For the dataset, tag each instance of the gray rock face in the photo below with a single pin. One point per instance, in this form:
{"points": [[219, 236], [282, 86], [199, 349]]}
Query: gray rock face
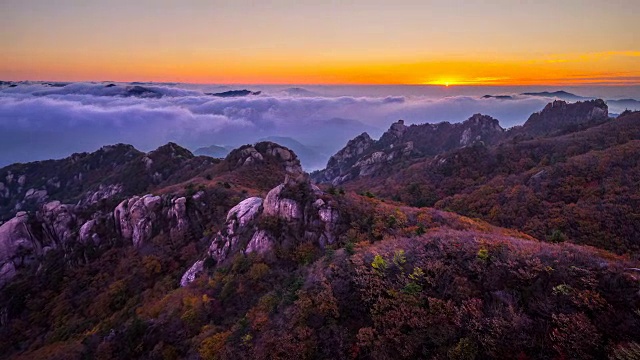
{"points": [[191, 274], [103, 192], [310, 219], [261, 242], [365, 157], [135, 217], [249, 155], [35, 195], [245, 211], [87, 233], [237, 226], [341, 162], [277, 205], [329, 218], [55, 224], [178, 215], [59, 220], [394, 134], [265, 151], [25, 238], [16, 243], [560, 115]]}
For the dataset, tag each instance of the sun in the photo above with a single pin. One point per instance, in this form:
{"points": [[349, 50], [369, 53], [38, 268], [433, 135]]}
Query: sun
{"points": [[446, 82]]}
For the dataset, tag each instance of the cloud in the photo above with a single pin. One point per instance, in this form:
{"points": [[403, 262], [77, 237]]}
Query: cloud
{"points": [[38, 121]]}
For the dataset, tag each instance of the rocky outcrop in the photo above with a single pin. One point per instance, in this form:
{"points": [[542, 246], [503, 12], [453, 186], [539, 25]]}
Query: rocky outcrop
{"points": [[291, 213], [275, 204], [134, 217], [58, 221], [103, 192], [191, 274], [25, 238], [87, 233], [263, 152], [86, 224], [35, 195], [179, 218], [394, 134], [17, 246], [365, 157], [245, 211], [260, 242], [560, 116], [85, 179], [340, 163], [239, 226]]}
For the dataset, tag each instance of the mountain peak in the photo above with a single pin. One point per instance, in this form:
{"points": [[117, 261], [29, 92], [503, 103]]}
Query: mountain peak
{"points": [[483, 120], [173, 150], [265, 152], [394, 134], [559, 115]]}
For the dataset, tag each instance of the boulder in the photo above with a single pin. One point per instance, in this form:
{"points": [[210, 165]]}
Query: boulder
{"points": [[17, 245], [135, 217], [277, 205], [59, 221], [178, 216], [87, 233], [237, 225], [260, 243], [245, 211]]}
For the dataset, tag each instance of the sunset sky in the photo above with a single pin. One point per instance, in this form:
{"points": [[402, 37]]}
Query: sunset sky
{"points": [[323, 42]]}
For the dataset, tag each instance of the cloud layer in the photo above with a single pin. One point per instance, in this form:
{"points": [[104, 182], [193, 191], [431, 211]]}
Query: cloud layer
{"points": [[40, 121]]}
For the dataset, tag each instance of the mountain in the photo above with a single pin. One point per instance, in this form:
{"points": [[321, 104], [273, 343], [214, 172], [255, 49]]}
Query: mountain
{"points": [[140, 91], [297, 91], [340, 130], [245, 258], [562, 95], [235, 93], [92, 177], [560, 116], [570, 181], [500, 97], [309, 157], [363, 156], [624, 104], [76, 207], [214, 151]]}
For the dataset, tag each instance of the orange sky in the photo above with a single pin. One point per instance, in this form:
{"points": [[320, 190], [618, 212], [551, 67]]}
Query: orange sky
{"points": [[330, 42]]}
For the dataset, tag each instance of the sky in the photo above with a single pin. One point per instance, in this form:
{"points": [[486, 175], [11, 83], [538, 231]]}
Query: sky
{"points": [[586, 42]]}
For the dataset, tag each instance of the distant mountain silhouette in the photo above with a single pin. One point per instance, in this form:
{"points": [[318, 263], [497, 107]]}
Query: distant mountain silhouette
{"points": [[563, 95], [213, 151], [235, 93]]}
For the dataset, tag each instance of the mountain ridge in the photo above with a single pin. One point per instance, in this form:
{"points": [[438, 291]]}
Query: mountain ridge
{"points": [[245, 258]]}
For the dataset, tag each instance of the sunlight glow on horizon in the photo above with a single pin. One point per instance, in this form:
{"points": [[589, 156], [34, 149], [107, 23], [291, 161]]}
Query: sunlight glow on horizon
{"points": [[411, 42]]}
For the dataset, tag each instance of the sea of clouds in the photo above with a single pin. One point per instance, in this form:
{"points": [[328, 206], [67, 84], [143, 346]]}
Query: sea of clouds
{"points": [[42, 121]]}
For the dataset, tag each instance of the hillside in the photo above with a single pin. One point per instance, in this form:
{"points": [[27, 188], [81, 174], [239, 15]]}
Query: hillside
{"points": [[575, 184], [396, 282], [245, 258]]}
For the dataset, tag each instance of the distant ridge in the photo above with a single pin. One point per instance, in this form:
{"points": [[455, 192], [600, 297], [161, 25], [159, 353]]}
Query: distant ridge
{"points": [[235, 93], [561, 94]]}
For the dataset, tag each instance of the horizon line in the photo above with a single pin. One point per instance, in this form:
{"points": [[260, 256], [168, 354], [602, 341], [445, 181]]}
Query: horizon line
{"points": [[452, 84]]}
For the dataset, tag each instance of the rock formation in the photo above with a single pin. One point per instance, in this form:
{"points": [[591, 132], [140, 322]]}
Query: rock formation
{"points": [[364, 157], [559, 116], [16, 245], [134, 217], [291, 213]]}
